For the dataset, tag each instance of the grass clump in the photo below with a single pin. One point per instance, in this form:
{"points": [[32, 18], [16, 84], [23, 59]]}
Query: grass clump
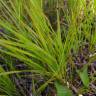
{"points": [[54, 53]]}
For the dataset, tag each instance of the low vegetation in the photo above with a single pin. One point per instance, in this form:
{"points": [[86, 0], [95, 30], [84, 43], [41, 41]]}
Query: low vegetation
{"points": [[47, 47]]}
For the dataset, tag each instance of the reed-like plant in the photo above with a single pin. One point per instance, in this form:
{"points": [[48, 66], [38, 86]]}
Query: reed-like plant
{"points": [[28, 36]]}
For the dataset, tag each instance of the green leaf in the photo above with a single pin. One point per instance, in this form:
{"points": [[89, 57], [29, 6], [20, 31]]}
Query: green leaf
{"points": [[83, 73], [62, 90]]}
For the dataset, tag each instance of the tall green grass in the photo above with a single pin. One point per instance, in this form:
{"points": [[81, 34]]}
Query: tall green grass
{"points": [[29, 37]]}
